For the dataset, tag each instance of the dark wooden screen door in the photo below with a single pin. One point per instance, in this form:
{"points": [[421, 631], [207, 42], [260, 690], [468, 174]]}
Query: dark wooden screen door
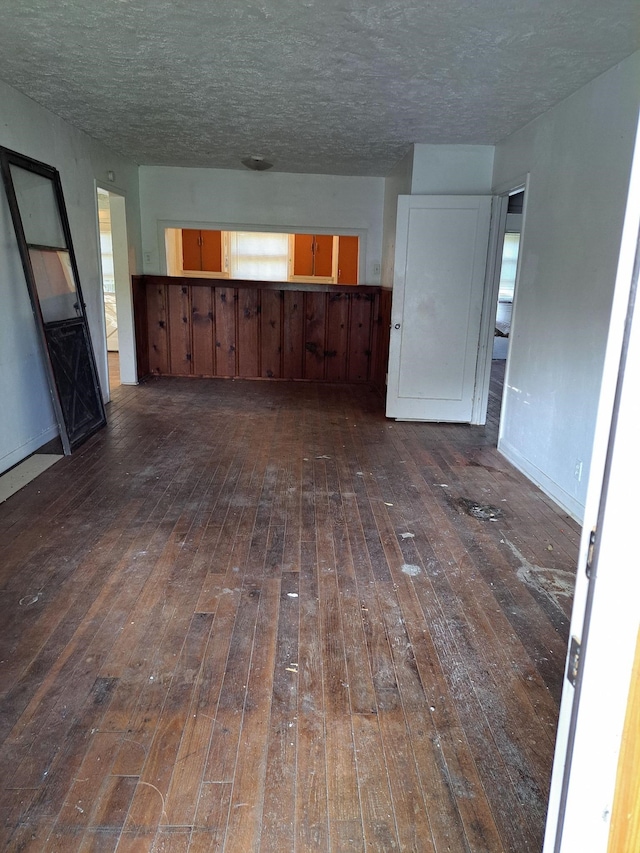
{"points": [[34, 193]]}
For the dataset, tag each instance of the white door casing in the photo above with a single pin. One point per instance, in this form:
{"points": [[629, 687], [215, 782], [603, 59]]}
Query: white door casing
{"points": [[124, 295], [440, 264]]}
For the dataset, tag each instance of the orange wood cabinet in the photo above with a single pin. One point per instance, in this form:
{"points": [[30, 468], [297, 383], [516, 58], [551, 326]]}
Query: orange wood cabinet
{"points": [[348, 248], [271, 330], [313, 256], [325, 258], [201, 250]]}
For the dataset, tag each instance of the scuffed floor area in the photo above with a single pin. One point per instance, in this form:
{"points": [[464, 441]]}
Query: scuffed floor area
{"points": [[259, 616]]}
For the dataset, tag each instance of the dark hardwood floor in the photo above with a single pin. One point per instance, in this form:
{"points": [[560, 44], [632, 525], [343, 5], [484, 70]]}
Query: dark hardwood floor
{"points": [[253, 616]]}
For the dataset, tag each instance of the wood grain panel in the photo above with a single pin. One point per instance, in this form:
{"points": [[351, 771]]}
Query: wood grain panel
{"points": [[337, 336], [314, 335], [293, 335], [179, 308], [202, 320], [381, 330], [248, 302], [141, 326], [271, 334], [322, 332], [360, 337], [157, 328], [225, 331]]}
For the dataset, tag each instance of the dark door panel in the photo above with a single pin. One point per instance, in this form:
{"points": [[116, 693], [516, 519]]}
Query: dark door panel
{"points": [[36, 201]]}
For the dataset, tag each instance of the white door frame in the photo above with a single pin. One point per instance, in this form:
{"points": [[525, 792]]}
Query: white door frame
{"points": [[124, 295], [487, 323], [492, 285]]}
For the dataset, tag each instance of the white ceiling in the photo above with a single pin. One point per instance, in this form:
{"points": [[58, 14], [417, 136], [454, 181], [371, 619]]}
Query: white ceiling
{"points": [[324, 86]]}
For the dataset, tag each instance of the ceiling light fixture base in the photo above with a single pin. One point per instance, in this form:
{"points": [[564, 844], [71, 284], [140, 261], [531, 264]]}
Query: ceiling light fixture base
{"points": [[256, 163]]}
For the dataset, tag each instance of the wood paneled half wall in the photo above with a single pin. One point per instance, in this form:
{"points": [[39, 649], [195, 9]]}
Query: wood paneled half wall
{"points": [[270, 330]]}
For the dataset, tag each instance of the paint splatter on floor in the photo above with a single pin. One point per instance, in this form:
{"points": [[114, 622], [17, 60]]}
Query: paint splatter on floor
{"points": [[551, 583]]}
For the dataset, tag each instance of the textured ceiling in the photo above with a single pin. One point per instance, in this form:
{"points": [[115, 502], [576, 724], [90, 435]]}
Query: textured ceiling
{"points": [[325, 86]]}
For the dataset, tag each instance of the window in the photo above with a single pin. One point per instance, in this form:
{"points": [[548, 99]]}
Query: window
{"points": [[258, 255]]}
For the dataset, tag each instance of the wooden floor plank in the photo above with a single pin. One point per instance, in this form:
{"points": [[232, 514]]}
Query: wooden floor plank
{"points": [[188, 770], [345, 810], [248, 793], [212, 813], [378, 815], [311, 811], [253, 616], [278, 817], [76, 814], [221, 763]]}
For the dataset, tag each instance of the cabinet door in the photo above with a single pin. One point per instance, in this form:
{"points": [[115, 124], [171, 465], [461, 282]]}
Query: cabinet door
{"points": [[323, 255], [191, 259], [313, 257], [211, 251], [303, 255], [348, 260]]}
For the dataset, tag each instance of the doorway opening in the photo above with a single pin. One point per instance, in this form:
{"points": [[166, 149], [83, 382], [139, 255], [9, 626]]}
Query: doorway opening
{"points": [[108, 288], [116, 289], [510, 251], [507, 284]]}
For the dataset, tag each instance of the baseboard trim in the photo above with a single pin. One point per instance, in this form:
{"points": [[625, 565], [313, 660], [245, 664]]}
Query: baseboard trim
{"points": [[564, 500], [16, 456]]}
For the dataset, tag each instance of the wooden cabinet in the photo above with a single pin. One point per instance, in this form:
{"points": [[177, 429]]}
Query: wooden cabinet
{"points": [[313, 256], [325, 258], [348, 251], [202, 251]]}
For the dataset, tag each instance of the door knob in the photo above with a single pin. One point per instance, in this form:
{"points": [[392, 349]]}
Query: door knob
{"points": [[397, 326]]}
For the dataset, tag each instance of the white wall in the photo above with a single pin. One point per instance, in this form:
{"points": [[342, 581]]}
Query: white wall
{"points": [[578, 156], [452, 169], [433, 170], [397, 183], [26, 415], [206, 198]]}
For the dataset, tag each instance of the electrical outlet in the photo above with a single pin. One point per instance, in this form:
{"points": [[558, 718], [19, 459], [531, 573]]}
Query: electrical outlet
{"points": [[577, 471], [147, 257]]}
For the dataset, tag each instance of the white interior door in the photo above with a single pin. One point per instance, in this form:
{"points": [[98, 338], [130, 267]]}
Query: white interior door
{"points": [[440, 264], [606, 616]]}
